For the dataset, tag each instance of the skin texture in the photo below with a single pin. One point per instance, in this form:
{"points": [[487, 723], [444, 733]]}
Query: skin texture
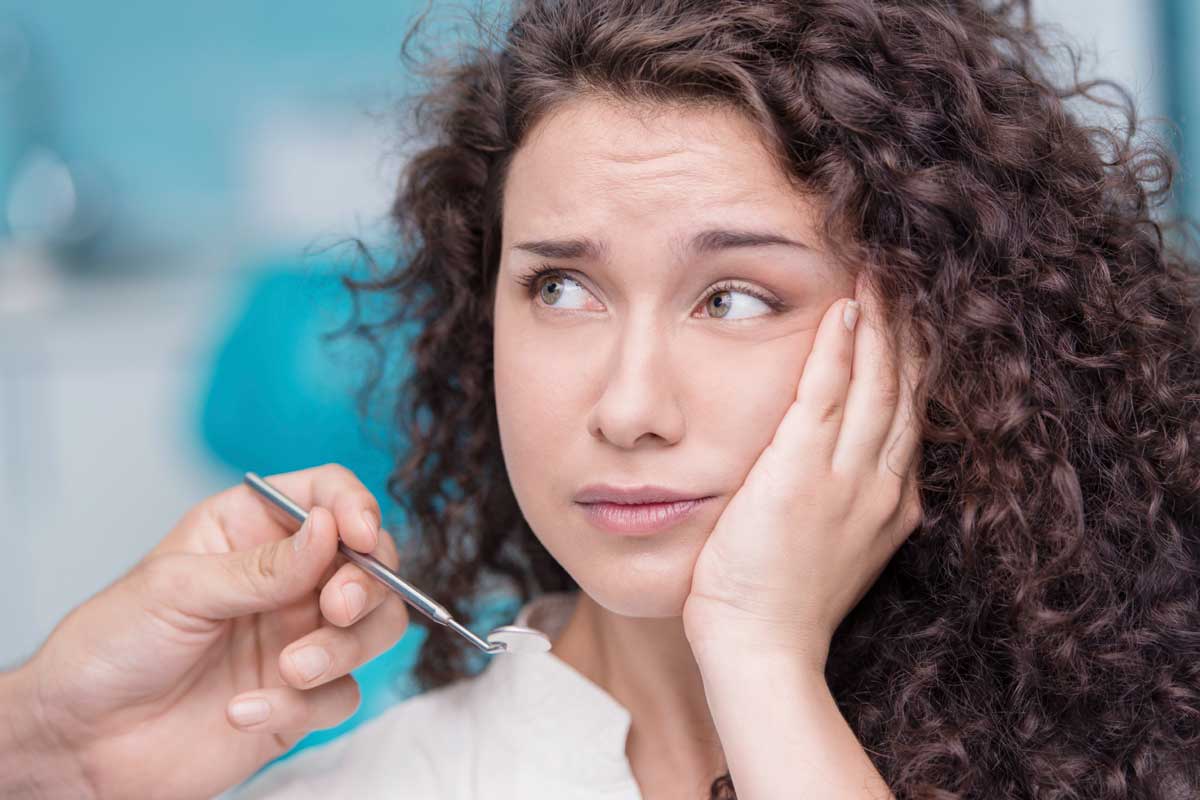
{"points": [[603, 385]]}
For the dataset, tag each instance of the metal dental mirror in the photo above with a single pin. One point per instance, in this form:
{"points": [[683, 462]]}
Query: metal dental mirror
{"points": [[505, 639]]}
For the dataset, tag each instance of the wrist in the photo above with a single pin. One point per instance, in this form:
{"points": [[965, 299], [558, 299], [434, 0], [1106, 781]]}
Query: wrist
{"points": [[771, 704], [33, 762], [721, 659], [714, 645]]}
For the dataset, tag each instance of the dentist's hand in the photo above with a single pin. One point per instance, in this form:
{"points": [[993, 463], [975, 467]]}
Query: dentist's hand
{"points": [[144, 682], [822, 510]]}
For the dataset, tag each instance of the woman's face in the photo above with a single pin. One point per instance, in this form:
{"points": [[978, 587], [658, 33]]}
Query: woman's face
{"points": [[626, 368]]}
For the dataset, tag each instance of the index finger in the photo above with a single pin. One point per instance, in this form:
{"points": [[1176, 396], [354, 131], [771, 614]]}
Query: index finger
{"points": [[335, 487], [249, 519]]}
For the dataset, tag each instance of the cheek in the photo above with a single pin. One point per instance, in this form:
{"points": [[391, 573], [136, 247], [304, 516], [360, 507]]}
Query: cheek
{"points": [[533, 410], [739, 394]]}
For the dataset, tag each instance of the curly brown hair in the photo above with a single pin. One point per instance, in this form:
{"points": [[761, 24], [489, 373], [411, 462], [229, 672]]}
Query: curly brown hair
{"points": [[1039, 636]]}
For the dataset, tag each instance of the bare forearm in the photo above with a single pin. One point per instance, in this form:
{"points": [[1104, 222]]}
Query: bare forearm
{"points": [[31, 766], [782, 732]]}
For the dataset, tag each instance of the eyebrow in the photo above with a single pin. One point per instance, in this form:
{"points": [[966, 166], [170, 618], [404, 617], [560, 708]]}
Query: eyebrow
{"points": [[707, 241]]}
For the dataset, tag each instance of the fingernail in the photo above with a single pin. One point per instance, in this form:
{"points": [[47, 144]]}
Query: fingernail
{"points": [[310, 661], [251, 711], [850, 314], [371, 524], [355, 598], [301, 537]]}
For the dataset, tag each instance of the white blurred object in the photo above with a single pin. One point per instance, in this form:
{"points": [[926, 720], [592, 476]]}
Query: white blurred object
{"points": [[312, 171], [1118, 40], [29, 279], [41, 199], [95, 389], [51, 200]]}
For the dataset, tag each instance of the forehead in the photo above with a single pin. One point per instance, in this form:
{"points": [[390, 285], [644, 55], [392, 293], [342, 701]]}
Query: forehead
{"points": [[602, 162]]}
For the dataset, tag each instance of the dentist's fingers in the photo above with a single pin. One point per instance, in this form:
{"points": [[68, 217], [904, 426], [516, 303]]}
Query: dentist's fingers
{"points": [[245, 520], [330, 486], [350, 594], [231, 584], [357, 514], [294, 712], [329, 652]]}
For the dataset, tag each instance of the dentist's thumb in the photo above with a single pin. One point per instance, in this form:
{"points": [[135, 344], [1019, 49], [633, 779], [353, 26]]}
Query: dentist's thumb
{"points": [[233, 584]]}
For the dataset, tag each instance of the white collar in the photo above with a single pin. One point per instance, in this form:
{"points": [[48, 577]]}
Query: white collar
{"points": [[573, 725]]}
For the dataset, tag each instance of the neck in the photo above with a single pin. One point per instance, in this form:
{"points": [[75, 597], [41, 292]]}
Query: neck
{"points": [[647, 665]]}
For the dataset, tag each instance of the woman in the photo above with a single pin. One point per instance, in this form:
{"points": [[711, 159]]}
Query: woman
{"points": [[1038, 635], [961, 567]]}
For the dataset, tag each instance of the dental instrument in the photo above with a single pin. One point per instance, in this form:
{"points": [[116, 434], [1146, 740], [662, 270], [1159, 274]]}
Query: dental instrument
{"points": [[504, 639]]}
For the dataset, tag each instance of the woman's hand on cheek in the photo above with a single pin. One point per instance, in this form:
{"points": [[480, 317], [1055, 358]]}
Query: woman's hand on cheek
{"points": [[822, 510]]}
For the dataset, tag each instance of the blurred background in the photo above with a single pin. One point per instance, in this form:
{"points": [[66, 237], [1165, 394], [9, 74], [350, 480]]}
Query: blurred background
{"points": [[177, 184]]}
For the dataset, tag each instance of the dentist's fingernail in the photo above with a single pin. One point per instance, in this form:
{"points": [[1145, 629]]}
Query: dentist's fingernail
{"points": [[850, 314], [301, 536], [355, 597], [310, 661], [250, 711], [371, 524]]}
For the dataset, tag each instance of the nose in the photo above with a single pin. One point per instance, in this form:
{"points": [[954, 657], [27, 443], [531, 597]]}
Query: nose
{"points": [[638, 396]]}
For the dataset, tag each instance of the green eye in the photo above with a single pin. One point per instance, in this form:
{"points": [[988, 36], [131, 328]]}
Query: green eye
{"points": [[554, 287], [720, 303], [551, 284]]}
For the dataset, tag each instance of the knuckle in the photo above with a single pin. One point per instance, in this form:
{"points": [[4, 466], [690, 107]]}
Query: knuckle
{"points": [[889, 394], [260, 566], [830, 411], [162, 576], [353, 498], [338, 472], [891, 493], [361, 502]]}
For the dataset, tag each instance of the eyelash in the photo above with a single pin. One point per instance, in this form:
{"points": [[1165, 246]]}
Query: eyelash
{"points": [[530, 281]]}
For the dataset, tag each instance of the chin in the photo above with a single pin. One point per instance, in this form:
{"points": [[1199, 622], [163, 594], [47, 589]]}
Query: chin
{"points": [[657, 602], [636, 579]]}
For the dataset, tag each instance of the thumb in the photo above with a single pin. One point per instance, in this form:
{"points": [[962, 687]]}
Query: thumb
{"points": [[227, 585]]}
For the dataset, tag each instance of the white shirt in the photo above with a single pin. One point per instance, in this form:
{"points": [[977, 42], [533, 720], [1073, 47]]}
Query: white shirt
{"points": [[528, 726]]}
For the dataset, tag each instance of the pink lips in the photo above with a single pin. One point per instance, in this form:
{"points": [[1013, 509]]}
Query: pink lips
{"points": [[641, 518], [637, 510]]}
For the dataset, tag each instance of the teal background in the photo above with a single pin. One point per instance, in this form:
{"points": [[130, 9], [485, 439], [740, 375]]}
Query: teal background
{"points": [[1180, 25], [159, 92]]}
